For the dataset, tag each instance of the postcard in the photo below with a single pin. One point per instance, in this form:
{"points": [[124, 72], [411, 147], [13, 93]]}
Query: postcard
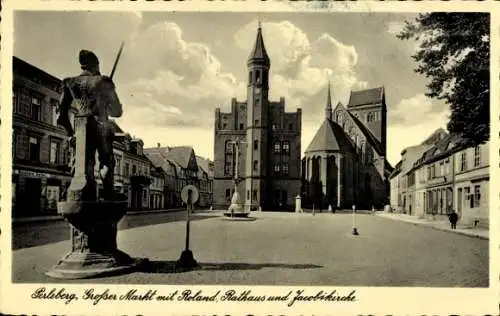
{"points": [[249, 158]]}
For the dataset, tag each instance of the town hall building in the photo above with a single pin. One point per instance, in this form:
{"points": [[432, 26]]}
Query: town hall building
{"points": [[268, 142], [345, 164]]}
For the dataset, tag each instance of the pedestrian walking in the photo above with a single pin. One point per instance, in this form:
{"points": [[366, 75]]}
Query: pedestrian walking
{"points": [[373, 210], [453, 216]]}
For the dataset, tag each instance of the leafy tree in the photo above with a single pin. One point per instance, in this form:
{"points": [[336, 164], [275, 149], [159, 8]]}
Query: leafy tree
{"points": [[454, 53]]}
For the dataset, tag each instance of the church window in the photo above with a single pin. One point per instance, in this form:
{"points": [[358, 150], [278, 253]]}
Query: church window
{"points": [[250, 77], [255, 165], [286, 147], [290, 126], [241, 126], [277, 147], [254, 195], [256, 122], [224, 126], [255, 144]]}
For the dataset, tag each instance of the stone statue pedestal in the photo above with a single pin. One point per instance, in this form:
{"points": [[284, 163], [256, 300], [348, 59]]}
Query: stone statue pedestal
{"points": [[94, 251], [93, 222], [236, 209]]}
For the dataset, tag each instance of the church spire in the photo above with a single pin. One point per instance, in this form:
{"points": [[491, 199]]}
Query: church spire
{"points": [[328, 109], [259, 53]]}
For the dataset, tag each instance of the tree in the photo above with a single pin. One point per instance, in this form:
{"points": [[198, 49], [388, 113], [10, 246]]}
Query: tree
{"points": [[454, 53]]}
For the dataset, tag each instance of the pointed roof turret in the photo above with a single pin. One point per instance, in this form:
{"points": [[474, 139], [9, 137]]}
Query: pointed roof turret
{"points": [[259, 53]]}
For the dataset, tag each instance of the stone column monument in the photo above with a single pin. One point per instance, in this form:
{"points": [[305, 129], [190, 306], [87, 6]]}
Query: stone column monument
{"points": [[93, 222], [236, 208]]}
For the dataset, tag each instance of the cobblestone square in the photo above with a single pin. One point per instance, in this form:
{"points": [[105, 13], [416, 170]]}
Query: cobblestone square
{"points": [[288, 249]]}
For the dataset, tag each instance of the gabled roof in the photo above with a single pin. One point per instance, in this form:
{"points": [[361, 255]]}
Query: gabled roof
{"points": [[364, 97], [442, 149], [259, 50], [180, 155], [204, 165], [329, 137]]}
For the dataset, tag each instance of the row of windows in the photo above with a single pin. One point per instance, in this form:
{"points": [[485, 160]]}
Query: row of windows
{"points": [[372, 116], [477, 159], [274, 127], [136, 169], [281, 168], [56, 156], [282, 147]]}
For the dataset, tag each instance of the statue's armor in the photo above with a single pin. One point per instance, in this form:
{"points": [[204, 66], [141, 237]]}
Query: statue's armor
{"points": [[93, 96]]}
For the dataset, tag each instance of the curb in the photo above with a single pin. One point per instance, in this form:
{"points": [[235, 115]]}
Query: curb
{"points": [[472, 235]]}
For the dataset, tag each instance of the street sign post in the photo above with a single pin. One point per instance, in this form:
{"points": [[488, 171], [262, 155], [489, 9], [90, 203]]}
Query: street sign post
{"points": [[189, 195], [354, 229]]}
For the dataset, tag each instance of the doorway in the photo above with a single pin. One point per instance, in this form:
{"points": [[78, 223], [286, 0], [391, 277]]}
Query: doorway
{"points": [[31, 197], [459, 203]]}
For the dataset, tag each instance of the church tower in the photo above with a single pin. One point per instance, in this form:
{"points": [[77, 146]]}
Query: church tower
{"points": [[257, 124]]}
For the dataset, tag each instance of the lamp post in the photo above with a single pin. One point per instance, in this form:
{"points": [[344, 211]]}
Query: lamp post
{"points": [[354, 229]]}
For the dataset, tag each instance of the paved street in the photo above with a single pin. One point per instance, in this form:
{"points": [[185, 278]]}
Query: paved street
{"points": [[289, 249], [42, 233]]}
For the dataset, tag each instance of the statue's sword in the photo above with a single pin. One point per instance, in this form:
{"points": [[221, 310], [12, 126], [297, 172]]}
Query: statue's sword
{"points": [[117, 135], [116, 60]]}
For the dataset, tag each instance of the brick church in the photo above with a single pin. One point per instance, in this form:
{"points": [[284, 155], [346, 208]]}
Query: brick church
{"points": [[269, 144], [346, 163]]}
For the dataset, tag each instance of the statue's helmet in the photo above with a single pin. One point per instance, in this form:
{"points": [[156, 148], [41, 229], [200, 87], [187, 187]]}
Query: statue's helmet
{"points": [[88, 59]]}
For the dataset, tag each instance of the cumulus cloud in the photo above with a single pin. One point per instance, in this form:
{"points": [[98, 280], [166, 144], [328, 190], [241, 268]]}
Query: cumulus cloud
{"points": [[415, 110], [163, 71], [400, 136], [301, 68]]}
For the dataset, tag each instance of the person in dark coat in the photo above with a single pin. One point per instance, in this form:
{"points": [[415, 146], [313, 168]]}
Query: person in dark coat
{"points": [[453, 219]]}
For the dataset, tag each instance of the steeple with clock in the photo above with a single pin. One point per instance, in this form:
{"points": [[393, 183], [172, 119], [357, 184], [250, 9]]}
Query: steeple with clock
{"points": [[257, 124]]}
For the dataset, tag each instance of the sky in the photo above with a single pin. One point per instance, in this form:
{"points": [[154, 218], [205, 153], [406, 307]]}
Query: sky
{"points": [[177, 68]]}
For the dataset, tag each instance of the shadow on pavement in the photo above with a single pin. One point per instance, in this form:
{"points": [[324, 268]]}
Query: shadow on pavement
{"points": [[25, 235], [169, 266]]}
